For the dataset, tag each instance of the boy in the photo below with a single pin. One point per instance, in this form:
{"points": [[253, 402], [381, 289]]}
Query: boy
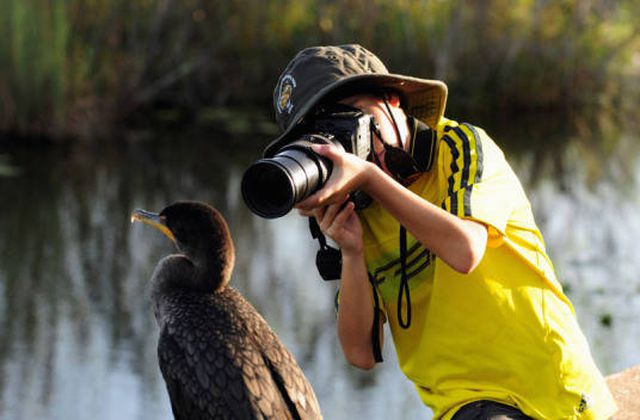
{"points": [[448, 252]]}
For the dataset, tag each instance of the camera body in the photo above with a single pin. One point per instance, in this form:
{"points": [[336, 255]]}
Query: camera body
{"points": [[273, 185]]}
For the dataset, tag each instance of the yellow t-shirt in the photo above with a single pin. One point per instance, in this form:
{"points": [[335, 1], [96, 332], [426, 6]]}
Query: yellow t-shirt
{"points": [[505, 332]]}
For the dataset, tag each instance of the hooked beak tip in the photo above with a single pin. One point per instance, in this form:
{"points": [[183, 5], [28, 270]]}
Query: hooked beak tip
{"points": [[152, 219]]}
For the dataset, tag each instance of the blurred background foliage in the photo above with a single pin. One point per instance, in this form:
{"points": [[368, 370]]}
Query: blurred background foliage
{"points": [[83, 68]]}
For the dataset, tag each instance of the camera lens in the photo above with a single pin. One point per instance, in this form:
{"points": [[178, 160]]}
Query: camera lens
{"points": [[272, 186], [267, 189]]}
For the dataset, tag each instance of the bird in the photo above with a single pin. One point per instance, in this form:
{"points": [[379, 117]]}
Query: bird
{"points": [[218, 356]]}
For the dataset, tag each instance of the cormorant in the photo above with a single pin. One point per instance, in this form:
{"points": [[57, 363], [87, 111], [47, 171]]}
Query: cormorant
{"points": [[218, 356]]}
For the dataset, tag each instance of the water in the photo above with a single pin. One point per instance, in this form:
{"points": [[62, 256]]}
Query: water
{"points": [[77, 335]]}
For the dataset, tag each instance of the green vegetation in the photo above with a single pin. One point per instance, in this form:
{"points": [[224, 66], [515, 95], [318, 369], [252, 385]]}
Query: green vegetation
{"points": [[85, 67]]}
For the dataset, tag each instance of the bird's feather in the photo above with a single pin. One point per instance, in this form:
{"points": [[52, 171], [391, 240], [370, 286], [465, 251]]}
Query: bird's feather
{"points": [[220, 358]]}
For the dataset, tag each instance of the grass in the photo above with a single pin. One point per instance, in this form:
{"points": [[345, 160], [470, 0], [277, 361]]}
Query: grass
{"points": [[79, 67]]}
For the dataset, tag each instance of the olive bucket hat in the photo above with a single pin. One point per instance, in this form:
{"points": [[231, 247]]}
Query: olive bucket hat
{"points": [[316, 72]]}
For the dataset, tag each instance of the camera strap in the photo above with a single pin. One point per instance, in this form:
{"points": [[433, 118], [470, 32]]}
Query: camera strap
{"points": [[375, 329], [406, 165], [328, 258], [422, 147], [404, 292]]}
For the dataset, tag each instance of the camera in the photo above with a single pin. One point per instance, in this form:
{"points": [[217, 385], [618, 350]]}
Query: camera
{"points": [[272, 186]]}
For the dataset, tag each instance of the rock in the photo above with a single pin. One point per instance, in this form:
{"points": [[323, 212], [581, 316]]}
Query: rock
{"points": [[625, 387]]}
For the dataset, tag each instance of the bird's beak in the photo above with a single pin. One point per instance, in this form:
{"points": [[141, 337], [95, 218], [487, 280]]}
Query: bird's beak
{"points": [[153, 219]]}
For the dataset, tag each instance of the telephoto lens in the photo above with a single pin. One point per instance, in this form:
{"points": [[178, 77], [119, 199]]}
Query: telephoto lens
{"points": [[272, 186]]}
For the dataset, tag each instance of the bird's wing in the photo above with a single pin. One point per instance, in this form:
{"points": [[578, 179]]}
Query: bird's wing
{"points": [[202, 380], [261, 385], [289, 377], [282, 366]]}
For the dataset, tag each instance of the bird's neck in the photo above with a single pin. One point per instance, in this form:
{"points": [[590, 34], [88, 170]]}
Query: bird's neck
{"points": [[184, 272], [208, 275]]}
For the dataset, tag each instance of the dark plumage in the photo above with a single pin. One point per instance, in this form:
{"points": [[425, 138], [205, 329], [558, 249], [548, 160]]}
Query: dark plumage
{"points": [[218, 356]]}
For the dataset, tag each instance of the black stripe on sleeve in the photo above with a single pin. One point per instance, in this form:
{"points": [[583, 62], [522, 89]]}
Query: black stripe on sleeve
{"points": [[479, 168], [454, 169], [454, 161], [479, 152], [466, 156], [467, 200], [454, 204]]}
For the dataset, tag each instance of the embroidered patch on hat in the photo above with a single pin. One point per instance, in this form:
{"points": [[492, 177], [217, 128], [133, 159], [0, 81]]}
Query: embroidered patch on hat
{"points": [[285, 91]]}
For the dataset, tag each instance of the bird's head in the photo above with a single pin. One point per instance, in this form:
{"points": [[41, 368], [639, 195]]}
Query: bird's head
{"points": [[200, 233]]}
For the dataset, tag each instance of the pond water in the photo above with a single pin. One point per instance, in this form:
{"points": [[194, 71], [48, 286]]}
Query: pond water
{"points": [[77, 334]]}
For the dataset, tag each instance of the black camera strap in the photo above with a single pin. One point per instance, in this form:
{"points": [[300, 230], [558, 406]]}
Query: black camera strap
{"points": [[423, 144], [375, 329], [328, 258], [404, 292]]}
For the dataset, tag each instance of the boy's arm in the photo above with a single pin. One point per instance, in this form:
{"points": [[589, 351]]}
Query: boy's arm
{"points": [[459, 242], [355, 312]]}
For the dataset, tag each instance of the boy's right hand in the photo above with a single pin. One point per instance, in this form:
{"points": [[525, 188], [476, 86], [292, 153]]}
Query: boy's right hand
{"points": [[348, 175], [340, 222]]}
